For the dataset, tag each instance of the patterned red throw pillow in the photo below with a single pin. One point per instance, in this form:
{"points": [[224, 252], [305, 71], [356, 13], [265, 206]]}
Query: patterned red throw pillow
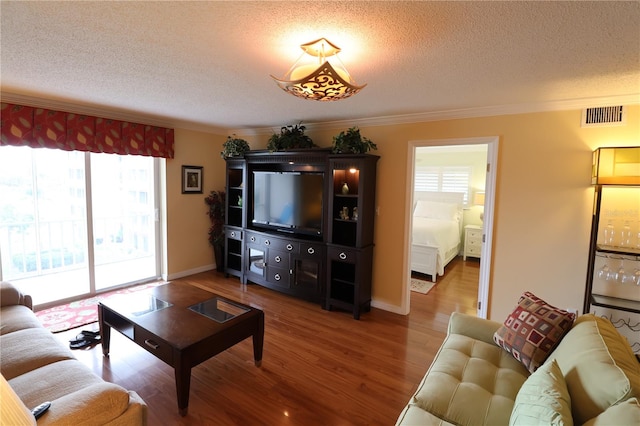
{"points": [[533, 330]]}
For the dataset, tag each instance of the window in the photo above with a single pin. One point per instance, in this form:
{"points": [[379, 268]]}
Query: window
{"points": [[48, 217], [444, 179]]}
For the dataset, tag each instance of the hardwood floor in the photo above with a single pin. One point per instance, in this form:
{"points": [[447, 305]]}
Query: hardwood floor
{"points": [[318, 368]]}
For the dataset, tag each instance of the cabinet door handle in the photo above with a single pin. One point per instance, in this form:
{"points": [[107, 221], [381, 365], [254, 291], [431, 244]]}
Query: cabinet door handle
{"points": [[151, 344], [253, 239], [342, 256], [310, 250], [278, 259], [267, 242], [233, 234], [277, 277], [289, 247]]}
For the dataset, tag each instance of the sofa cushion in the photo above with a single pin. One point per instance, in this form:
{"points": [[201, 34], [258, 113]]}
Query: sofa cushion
{"points": [[533, 330], [18, 317], [52, 381], [625, 413], [95, 404], [599, 367], [25, 350], [414, 415], [543, 399], [470, 382]]}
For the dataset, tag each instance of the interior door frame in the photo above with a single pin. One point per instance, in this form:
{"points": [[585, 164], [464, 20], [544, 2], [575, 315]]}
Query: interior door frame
{"points": [[490, 184]]}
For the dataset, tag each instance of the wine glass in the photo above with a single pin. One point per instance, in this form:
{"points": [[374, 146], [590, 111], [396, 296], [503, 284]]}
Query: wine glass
{"points": [[609, 232], [604, 273], [625, 236], [620, 275]]}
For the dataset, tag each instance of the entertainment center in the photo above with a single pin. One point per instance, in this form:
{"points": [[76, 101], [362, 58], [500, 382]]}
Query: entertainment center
{"points": [[301, 222]]}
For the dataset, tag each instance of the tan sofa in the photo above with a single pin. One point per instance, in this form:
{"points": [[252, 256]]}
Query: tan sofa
{"points": [[39, 368], [472, 381]]}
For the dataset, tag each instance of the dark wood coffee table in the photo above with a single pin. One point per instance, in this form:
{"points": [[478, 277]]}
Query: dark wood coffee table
{"points": [[183, 326]]}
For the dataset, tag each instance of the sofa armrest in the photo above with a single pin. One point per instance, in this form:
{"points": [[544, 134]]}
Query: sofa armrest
{"points": [[11, 295], [99, 403], [474, 327]]}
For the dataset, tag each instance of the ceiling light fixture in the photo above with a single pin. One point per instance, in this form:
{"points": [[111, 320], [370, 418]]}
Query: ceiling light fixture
{"points": [[319, 80]]}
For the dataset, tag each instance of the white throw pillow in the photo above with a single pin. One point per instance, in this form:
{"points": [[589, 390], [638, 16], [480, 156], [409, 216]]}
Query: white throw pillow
{"points": [[543, 399], [436, 210]]}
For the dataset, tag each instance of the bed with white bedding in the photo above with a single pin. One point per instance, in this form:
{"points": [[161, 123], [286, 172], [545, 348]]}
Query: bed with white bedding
{"points": [[436, 236]]}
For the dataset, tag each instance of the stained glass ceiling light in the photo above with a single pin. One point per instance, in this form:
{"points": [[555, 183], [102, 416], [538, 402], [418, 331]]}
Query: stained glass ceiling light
{"points": [[319, 80]]}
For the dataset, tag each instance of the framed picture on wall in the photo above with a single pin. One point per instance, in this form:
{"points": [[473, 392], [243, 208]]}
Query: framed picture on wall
{"points": [[191, 180]]}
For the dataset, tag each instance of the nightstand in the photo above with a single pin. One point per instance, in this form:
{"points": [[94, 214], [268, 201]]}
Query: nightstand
{"points": [[472, 241]]}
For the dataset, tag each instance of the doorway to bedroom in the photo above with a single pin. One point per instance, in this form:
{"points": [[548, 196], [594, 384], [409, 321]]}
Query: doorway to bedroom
{"points": [[451, 193]]}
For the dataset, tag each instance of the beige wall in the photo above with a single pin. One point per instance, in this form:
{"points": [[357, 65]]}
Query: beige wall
{"points": [[542, 211], [188, 250]]}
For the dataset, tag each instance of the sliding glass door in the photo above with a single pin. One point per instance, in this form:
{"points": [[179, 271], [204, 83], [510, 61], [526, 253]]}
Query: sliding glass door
{"points": [[124, 225], [53, 203]]}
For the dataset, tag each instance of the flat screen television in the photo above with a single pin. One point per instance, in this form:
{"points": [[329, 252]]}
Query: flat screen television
{"points": [[288, 201]]}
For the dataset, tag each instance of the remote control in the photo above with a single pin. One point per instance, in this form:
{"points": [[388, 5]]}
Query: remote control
{"points": [[40, 409]]}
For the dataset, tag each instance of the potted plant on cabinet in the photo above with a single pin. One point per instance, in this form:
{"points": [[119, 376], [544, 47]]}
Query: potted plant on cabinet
{"points": [[290, 137], [351, 142], [216, 202], [234, 147]]}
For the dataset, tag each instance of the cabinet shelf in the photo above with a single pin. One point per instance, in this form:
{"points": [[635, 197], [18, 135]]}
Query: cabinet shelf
{"points": [[337, 280], [618, 250], [616, 303]]}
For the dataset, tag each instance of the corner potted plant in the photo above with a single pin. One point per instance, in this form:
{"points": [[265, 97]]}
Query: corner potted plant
{"points": [[216, 202], [351, 142], [290, 137], [234, 147]]}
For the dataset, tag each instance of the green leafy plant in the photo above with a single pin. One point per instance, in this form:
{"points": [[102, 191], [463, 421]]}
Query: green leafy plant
{"points": [[290, 137], [216, 202], [234, 147], [351, 142]]}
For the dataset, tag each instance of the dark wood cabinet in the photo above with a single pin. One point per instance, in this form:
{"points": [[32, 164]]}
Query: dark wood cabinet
{"points": [[235, 219], [330, 265], [234, 252], [350, 248], [289, 265]]}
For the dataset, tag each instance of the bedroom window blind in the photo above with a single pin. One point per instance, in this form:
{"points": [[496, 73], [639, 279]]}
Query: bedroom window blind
{"points": [[444, 179]]}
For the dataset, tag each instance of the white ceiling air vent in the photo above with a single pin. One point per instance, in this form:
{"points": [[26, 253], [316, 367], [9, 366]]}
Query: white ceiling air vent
{"points": [[604, 116]]}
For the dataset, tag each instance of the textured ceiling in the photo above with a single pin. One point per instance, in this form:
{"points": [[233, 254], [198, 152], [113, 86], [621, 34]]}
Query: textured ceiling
{"points": [[207, 64]]}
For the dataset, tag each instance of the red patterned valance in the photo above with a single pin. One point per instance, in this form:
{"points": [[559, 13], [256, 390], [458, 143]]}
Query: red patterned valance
{"points": [[39, 127]]}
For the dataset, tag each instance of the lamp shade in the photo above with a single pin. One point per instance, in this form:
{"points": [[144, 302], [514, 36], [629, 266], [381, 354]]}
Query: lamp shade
{"points": [[478, 199], [321, 79], [616, 166]]}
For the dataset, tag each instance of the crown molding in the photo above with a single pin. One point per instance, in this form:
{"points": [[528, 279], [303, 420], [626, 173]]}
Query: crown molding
{"points": [[453, 114]]}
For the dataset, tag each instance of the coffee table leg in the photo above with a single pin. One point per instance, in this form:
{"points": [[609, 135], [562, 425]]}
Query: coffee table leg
{"points": [[258, 341], [183, 383], [105, 331]]}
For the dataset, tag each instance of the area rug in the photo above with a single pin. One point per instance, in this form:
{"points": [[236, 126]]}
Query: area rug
{"points": [[82, 312], [421, 286]]}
